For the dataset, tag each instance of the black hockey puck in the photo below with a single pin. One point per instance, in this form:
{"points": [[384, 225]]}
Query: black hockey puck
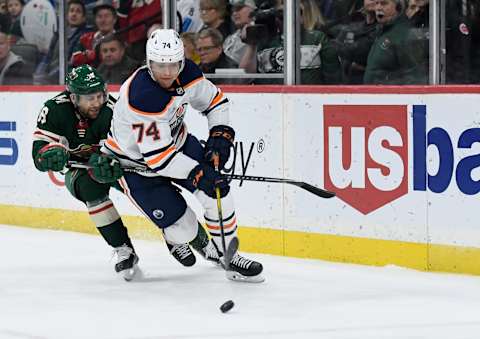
{"points": [[227, 306]]}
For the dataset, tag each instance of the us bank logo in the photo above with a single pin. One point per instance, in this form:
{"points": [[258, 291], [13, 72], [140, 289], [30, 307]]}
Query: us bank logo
{"points": [[366, 155]]}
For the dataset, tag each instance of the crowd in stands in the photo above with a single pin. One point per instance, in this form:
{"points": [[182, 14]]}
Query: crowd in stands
{"points": [[341, 41]]}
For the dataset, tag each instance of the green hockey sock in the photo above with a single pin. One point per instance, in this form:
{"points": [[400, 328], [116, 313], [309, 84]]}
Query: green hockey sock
{"points": [[115, 234], [201, 240]]}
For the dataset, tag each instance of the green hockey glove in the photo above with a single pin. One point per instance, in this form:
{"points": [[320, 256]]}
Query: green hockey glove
{"points": [[105, 169], [51, 157]]}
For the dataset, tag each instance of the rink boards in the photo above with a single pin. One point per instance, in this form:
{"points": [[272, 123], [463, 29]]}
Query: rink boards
{"points": [[405, 168]]}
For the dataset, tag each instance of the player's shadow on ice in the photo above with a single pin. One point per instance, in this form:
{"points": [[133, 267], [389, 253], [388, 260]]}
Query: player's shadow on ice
{"points": [[184, 277]]}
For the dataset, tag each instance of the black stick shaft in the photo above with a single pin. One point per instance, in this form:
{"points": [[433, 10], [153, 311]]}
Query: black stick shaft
{"points": [[310, 188]]}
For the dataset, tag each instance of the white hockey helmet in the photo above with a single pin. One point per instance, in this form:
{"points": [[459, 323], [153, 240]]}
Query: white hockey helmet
{"points": [[165, 46]]}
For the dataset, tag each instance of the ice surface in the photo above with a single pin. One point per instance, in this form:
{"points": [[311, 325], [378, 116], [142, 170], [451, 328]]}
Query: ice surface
{"points": [[61, 285]]}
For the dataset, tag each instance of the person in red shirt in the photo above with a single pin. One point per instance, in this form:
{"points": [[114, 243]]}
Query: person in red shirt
{"points": [[131, 12], [105, 20]]}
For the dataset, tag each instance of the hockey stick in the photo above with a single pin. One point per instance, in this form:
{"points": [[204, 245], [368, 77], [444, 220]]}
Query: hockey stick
{"points": [[310, 188], [220, 221], [233, 245]]}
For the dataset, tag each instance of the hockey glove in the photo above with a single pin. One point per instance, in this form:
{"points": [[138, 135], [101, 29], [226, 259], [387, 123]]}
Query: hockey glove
{"points": [[205, 178], [219, 143], [51, 157], [105, 169]]}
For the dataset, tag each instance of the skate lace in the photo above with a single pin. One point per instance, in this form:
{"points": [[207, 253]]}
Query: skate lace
{"points": [[182, 250], [211, 251], [123, 252], [240, 261]]}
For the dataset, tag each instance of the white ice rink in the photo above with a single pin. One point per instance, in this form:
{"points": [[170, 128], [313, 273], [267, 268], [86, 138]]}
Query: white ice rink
{"points": [[61, 285]]}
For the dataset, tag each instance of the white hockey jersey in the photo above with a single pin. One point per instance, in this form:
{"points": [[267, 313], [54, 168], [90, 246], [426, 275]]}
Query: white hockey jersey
{"points": [[190, 12], [147, 126]]}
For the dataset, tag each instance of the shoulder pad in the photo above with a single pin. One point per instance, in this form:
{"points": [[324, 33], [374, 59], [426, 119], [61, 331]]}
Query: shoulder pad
{"points": [[60, 99], [145, 95], [60, 102], [190, 74]]}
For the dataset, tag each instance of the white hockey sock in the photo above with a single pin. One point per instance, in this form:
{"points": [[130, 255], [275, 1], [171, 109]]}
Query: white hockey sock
{"points": [[212, 221]]}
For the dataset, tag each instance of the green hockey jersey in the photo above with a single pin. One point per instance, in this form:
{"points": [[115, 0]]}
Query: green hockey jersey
{"points": [[59, 122]]}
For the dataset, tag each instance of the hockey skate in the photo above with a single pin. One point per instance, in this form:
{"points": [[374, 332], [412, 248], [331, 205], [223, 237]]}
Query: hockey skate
{"points": [[127, 261], [183, 254], [209, 252], [243, 269]]}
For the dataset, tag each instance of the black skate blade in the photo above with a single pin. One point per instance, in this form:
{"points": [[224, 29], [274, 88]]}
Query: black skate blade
{"points": [[231, 250]]}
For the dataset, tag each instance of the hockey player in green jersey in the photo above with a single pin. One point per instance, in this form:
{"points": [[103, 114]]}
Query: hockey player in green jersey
{"points": [[72, 126]]}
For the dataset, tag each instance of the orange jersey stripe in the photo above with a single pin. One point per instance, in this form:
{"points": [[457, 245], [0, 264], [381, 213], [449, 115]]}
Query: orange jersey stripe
{"points": [[140, 111], [110, 142], [230, 225], [160, 157], [216, 100]]}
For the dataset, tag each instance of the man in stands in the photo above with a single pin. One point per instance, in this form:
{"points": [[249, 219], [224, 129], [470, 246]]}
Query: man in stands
{"points": [[116, 66], [210, 48], [13, 70], [138, 15], [47, 71], [391, 59], [105, 20], [77, 24], [233, 46]]}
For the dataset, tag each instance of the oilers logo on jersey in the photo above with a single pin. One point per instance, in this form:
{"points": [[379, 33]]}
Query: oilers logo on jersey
{"points": [[177, 120]]}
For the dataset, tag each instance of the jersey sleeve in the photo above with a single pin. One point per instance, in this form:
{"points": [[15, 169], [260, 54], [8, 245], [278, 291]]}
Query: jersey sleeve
{"points": [[50, 127], [206, 97]]}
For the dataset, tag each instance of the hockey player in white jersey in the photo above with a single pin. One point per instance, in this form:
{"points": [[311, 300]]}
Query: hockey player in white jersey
{"points": [[148, 132]]}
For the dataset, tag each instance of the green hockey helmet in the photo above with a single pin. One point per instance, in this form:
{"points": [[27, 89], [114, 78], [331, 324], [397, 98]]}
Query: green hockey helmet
{"points": [[84, 79]]}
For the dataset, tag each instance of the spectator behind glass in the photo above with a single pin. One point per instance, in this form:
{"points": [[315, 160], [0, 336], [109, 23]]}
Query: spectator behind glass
{"points": [[474, 53], [131, 12], [47, 71], [458, 35], [3, 7], [189, 39], [77, 25], [391, 59], [418, 13], [105, 20], [214, 15], [4, 17], [209, 47], [13, 70], [335, 10], [319, 63], [233, 46], [353, 41], [190, 13], [15, 8], [116, 66]]}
